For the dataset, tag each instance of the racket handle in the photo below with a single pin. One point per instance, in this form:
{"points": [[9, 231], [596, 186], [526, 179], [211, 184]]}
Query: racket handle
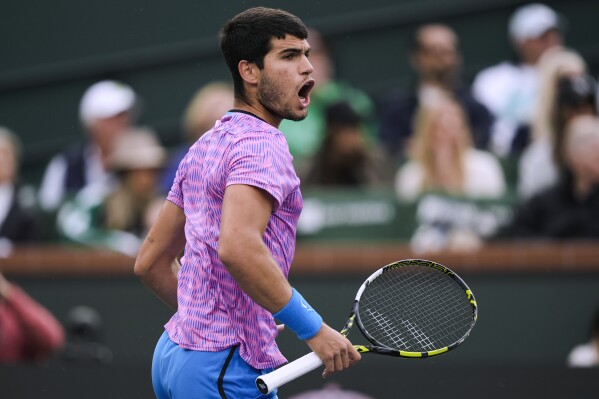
{"points": [[269, 382]]}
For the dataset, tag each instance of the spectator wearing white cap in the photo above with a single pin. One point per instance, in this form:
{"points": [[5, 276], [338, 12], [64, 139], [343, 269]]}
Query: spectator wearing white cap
{"points": [[105, 111], [510, 89]]}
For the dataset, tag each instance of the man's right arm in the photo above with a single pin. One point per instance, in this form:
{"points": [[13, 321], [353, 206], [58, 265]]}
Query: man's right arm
{"points": [[156, 263], [246, 212]]}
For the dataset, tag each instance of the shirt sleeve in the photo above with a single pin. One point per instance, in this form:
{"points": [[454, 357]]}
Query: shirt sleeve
{"points": [[263, 161], [175, 194]]}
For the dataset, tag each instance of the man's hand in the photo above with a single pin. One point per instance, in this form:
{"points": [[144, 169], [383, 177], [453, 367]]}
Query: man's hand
{"points": [[336, 352]]}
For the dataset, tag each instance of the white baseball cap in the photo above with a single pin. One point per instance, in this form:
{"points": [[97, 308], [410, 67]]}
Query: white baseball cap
{"points": [[105, 99], [531, 21]]}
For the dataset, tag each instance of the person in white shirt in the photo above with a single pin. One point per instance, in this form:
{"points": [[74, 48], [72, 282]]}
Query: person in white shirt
{"points": [[510, 89], [106, 109]]}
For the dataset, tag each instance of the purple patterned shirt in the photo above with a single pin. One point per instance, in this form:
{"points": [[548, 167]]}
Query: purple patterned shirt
{"points": [[213, 312]]}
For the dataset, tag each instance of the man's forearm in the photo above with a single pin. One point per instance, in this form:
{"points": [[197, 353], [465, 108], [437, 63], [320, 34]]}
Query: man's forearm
{"points": [[257, 273], [163, 282], [156, 263]]}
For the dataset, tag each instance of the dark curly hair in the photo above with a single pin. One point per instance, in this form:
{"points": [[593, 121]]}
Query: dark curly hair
{"points": [[247, 36]]}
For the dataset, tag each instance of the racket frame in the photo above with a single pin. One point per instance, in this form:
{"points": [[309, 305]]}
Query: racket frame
{"points": [[382, 349]]}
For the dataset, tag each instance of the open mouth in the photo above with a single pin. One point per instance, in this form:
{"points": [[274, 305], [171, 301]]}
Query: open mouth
{"points": [[304, 92]]}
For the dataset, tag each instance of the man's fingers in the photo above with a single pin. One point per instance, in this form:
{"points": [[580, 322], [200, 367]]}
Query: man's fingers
{"points": [[354, 355], [346, 361], [339, 362], [329, 368]]}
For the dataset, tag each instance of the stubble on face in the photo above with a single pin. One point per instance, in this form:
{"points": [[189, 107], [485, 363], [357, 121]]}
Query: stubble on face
{"points": [[272, 97]]}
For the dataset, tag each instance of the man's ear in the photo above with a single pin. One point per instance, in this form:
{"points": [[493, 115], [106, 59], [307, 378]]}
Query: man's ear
{"points": [[248, 71]]}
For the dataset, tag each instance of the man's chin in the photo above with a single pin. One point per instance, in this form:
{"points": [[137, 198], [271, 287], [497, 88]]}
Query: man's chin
{"points": [[289, 114], [297, 117]]}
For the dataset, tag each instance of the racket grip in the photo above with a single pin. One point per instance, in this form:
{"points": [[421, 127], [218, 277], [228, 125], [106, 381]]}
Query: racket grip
{"points": [[269, 382]]}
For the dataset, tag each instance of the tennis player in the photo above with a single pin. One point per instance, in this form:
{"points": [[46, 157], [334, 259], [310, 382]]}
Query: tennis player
{"points": [[233, 208]]}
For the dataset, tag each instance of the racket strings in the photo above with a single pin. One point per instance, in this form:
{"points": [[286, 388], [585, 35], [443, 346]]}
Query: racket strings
{"points": [[415, 308]]}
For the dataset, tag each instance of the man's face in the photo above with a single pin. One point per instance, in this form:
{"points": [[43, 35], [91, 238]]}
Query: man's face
{"points": [[285, 82], [437, 58], [105, 131], [531, 50]]}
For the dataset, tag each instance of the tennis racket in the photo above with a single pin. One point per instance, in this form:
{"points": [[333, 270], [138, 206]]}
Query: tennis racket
{"points": [[410, 308]]}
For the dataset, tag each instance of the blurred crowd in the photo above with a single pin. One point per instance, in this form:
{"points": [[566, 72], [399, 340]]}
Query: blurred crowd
{"points": [[525, 132]]}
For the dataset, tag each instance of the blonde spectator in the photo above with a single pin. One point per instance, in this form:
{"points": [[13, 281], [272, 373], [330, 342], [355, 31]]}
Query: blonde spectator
{"points": [[555, 63], [442, 158], [207, 105], [565, 92]]}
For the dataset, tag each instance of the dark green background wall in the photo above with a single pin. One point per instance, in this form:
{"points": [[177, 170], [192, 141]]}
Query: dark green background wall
{"points": [[52, 51]]}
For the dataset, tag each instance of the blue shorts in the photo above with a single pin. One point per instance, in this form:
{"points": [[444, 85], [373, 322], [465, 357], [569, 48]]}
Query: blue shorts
{"points": [[182, 373]]}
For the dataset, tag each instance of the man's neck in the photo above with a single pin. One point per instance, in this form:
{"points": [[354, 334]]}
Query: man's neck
{"points": [[259, 111]]}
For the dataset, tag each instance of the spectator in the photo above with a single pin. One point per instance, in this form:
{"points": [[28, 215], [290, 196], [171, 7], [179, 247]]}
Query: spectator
{"points": [[305, 137], [346, 157], [565, 93], [207, 106], [19, 220], [28, 331], [436, 59], [587, 354], [442, 158], [106, 109], [510, 89], [117, 216], [569, 209]]}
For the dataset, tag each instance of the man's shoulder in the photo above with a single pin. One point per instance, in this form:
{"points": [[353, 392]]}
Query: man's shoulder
{"points": [[243, 132]]}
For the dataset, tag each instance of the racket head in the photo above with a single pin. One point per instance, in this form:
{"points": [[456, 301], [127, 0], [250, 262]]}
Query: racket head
{"points": [[414, 308]]}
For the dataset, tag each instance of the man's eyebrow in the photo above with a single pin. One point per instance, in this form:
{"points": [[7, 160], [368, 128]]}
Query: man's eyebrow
{"points": [[295, 50]]}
